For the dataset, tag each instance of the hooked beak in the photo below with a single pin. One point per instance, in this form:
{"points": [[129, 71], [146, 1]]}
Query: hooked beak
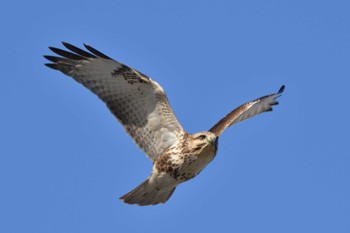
{"points": [[214, 140]]}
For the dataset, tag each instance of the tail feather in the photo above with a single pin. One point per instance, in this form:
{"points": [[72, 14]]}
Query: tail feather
{"points": [[147, 193]]}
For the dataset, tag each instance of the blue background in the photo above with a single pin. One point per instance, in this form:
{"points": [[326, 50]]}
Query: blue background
{"points": [[65, 160]]}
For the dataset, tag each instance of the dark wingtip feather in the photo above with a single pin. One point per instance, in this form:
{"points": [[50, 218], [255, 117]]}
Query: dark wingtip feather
{"points": [[66, 54], [96, 52], [275, 103], [51, 58], [280, 91], [52, 66], [78, 50]]}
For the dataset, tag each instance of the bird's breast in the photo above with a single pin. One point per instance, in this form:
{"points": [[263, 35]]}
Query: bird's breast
{"points": [[205, 157], [184, 166]]}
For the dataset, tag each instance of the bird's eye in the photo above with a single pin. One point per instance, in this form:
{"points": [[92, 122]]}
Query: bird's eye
{"points": [[202, 137]]}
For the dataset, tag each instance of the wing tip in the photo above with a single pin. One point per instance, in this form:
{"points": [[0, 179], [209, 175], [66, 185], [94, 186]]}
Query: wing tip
{"points": [[65, 43], [96, 52], [281, 90], [51, 58], [52, 66]]}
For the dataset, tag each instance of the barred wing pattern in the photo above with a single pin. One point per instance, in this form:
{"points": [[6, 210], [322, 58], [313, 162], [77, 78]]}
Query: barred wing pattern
{"points": [[247, 110], [139, 103]]}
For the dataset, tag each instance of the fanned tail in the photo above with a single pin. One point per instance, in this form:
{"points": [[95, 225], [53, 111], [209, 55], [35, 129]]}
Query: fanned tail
{"points": [[147, 193]]}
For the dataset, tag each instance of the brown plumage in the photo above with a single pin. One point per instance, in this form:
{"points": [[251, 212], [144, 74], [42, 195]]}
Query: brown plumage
{"points": [[141, 106]]}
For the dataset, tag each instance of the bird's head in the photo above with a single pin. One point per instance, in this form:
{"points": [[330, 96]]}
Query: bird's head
{"points": [[203, 140]]}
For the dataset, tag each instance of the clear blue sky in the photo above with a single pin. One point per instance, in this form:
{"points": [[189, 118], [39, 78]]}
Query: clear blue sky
{"points": [[65, 160]]}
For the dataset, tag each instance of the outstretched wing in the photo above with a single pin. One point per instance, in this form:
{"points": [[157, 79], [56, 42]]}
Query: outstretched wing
{"points": [[247, 110], [139, 103]]}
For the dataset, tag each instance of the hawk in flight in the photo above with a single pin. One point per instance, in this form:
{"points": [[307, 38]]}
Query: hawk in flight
{"points": [[141, 106]]}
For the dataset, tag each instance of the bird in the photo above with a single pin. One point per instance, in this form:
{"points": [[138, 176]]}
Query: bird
{"points": [[141, 106]]}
